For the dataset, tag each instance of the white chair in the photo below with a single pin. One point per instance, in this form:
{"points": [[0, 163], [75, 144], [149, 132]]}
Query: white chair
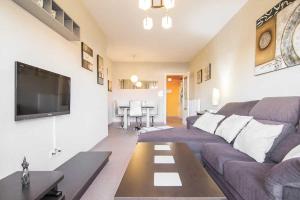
{"points": [[119, 113], [153, 112], [135, 111]]}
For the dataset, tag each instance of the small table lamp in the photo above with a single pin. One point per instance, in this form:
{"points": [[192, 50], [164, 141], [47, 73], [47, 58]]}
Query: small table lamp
{"points": [[215, 97]]}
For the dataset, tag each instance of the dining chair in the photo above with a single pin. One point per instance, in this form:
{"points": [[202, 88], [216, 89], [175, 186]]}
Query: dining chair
{"points": [[153, 112], [119, 112], [135, 111]]}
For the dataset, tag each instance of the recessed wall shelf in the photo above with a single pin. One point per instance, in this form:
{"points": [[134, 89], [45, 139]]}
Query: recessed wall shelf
{"points": [[52, 15]]}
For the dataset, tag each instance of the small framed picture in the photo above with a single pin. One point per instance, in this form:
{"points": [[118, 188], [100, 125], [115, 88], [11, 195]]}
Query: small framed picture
{"points": [[87, 57], [207, 73], [199, 76], [157, 3], [100, 70], [109, 86]]}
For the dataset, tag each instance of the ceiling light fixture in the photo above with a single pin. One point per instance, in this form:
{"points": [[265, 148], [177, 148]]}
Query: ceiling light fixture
{"points": [[168, 4], [167, 22], [145, 4], [134, 78], [148, 23]]}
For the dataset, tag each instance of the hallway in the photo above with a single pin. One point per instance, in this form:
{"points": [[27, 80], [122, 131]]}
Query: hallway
{"points": [[175, 122]]}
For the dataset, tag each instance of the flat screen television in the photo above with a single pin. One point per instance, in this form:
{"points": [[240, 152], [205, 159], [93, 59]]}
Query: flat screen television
{"points": [[40, 93]]}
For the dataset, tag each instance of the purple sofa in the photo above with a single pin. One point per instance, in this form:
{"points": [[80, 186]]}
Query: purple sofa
{"points": [[239, 176]]}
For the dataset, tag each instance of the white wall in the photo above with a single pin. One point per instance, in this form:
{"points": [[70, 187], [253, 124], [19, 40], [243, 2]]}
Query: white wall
{"points": [[146, 72], [110, 95], [232, 54], [24, 38]]}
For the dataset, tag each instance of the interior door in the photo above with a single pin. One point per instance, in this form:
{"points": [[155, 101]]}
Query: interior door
{"points": [[185, 103]]}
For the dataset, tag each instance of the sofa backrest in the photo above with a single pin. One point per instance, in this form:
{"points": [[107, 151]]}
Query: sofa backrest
{"points": [[237, 108], [279, 109]]}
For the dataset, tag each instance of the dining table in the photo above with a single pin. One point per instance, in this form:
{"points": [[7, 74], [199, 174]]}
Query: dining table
{"points": [[126, 108]]}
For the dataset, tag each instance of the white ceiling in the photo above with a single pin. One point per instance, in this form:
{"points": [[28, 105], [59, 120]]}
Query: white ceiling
{"points": [[196, 22]]}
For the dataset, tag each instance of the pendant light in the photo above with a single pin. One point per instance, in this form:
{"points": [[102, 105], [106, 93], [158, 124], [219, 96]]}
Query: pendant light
{"points": [[166, 22], [148, 23], [169, 4], [145, 4]]}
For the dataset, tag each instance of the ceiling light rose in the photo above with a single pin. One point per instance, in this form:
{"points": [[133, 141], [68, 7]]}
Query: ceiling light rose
{"points": [[148, 23], [145, 4], [166, 22], [169, 4], [134, 78]]}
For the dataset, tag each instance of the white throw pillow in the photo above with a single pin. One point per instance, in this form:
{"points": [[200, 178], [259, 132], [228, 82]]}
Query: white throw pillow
{"points": [[294, 153], [208, 122], [232, 126], [256, 139]]}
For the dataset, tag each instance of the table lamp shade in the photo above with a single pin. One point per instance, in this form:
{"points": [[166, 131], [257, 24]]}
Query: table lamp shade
{"points": [[215, 97]]}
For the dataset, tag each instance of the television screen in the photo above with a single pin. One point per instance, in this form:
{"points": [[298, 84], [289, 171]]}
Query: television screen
{"points": [[40, 93]]}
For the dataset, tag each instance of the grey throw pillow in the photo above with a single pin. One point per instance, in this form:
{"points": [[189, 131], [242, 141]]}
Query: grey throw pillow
{"points": [[284, 147]]}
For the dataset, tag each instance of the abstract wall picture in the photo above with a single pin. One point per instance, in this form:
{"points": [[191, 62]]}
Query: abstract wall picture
{"points": [[109, 86], [100, 70], [87, 57], [199, 76], [278, 38], [207, 73]]}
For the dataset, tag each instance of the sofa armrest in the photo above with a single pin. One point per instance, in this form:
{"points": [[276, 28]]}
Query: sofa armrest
{"points": [[282, 176], [291, 193], [190, 121]]}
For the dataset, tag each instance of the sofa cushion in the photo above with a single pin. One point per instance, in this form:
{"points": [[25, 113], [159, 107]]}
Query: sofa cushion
{"points": [[286, 130], [284, 147], [198, 147], [247, 178], [178, 135], [190, 121], [208, 122], [218, 154], [237, 108], [280, 109], [284, 174], [256, 139], [293, 153], [232, 126]]}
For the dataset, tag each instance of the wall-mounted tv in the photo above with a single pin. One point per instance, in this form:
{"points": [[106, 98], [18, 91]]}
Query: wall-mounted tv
{"points": [[40, 93]]}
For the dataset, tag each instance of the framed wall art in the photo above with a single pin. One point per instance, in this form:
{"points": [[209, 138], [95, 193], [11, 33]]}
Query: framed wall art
{"points": [[87, 57], [100, 70], [278, 38], [109, 86], [207, 73], [199, 76]]}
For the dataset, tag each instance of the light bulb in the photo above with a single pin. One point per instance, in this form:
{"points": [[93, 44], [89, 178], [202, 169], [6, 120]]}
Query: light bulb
{"points": [[148, 23], [169, 4], [139, 84], [166, 22], [145, 4], [134, 78]]}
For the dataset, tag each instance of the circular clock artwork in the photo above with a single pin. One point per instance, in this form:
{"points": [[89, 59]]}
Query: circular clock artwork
{"points": [[265, 40], [296, 40], [290, 42]]}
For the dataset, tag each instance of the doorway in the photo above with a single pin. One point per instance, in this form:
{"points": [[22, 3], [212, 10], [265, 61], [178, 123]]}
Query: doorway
{"points": [[176, 99]]}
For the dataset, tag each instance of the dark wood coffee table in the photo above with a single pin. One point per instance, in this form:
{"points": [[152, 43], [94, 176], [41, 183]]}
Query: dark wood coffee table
{"points": [[138, 180]]}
